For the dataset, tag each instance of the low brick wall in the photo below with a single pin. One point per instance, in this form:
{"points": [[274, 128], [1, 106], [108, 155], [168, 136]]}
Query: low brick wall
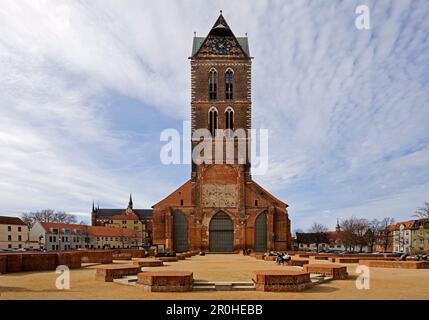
{"points": [[279, 281], [40, 261], [135, 253], [165, 281], [298, 262], [395, 264], [109, 272], [168, 259], [97, 256], [69, 259], [337, 272], [141, 262], [3, 264]]}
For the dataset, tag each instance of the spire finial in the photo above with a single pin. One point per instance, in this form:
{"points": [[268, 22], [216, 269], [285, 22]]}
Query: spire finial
{"points": [[220, 11], [93, 206], [195, 33], [130, 203]]}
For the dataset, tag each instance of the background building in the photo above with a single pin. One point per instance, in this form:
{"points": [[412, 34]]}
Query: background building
{"points": [[61, 236], [138, 220], [13, 233]]}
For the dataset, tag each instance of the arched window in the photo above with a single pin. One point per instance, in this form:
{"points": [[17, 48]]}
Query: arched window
{"points": [[213, 84], [229, 118], [229, 79], [213, 121]]}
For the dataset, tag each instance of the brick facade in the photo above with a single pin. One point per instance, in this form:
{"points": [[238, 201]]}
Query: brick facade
{"points": [[222, 187]]}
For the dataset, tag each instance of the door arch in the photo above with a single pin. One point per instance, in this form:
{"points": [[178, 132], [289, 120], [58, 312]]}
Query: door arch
{"points": [[261, 233], [221, 233], [180, 232]]}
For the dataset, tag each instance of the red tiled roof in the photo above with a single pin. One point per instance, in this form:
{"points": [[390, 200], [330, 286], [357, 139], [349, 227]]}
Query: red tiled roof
{"points": [[113, 232], [12, 221], [407, 225], [131, 216], [97, 231]]}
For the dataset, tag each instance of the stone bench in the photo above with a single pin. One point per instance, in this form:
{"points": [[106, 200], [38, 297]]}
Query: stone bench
{"points": [[180, 256], [337, 272], [168, 259], [270, 258], [304, 255], [165, 281], [142, 262], [281, 281], [259, 256], [298, 262], [321, 257], [347, 260], [395, 264], [187, 254], [109, 272], [122, 256]]}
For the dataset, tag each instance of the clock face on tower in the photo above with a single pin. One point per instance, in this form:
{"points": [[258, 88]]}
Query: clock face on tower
{"points": [[221, 46]]}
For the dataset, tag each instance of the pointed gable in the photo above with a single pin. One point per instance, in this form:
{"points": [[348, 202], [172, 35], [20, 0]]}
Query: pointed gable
{"points": [[220, 41]]}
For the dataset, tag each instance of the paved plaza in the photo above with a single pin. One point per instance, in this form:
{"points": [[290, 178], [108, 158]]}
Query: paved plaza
{"points": [[384, 283]]}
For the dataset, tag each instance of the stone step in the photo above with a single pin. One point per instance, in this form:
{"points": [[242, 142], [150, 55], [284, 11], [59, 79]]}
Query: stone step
{"points": [[202, 285], [203, 288]]}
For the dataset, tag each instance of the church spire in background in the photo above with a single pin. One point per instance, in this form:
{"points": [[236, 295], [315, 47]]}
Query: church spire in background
{"points": [[130, 203]]}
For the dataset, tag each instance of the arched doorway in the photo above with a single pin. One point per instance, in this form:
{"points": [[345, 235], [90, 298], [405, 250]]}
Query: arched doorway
{"points": [[261, 233], [221, 233], [180, 232]]}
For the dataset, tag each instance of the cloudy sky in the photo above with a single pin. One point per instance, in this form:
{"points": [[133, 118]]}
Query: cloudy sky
{"points": [[86, 87]]}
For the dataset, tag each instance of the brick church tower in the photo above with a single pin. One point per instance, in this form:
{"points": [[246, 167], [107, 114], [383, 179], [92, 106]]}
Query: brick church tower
{"points": [[221, 209]]}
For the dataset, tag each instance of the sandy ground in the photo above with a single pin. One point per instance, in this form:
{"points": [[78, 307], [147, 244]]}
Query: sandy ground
{"points": [[384, 283]]}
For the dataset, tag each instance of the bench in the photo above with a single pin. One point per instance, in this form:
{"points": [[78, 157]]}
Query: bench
{"points": [[109, 272], [395, 264], [281, 281], [142, 262], [337, 272], [165, 281], [298, 262]]}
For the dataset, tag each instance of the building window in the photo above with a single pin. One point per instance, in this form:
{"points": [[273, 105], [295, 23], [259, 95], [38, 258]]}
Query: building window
{"points": [[19, 238], [19, 229], [9, 228], [229, 79], [9, 238], [9, 246], [181, 202], [212, 84], [229, 118], [256, 203], [213, 121]]}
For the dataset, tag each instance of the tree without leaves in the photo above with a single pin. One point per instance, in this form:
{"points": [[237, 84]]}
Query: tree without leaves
{"points": [[47, 215], [349, 233], [385, 238], [423, 212], [320, 233]]}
